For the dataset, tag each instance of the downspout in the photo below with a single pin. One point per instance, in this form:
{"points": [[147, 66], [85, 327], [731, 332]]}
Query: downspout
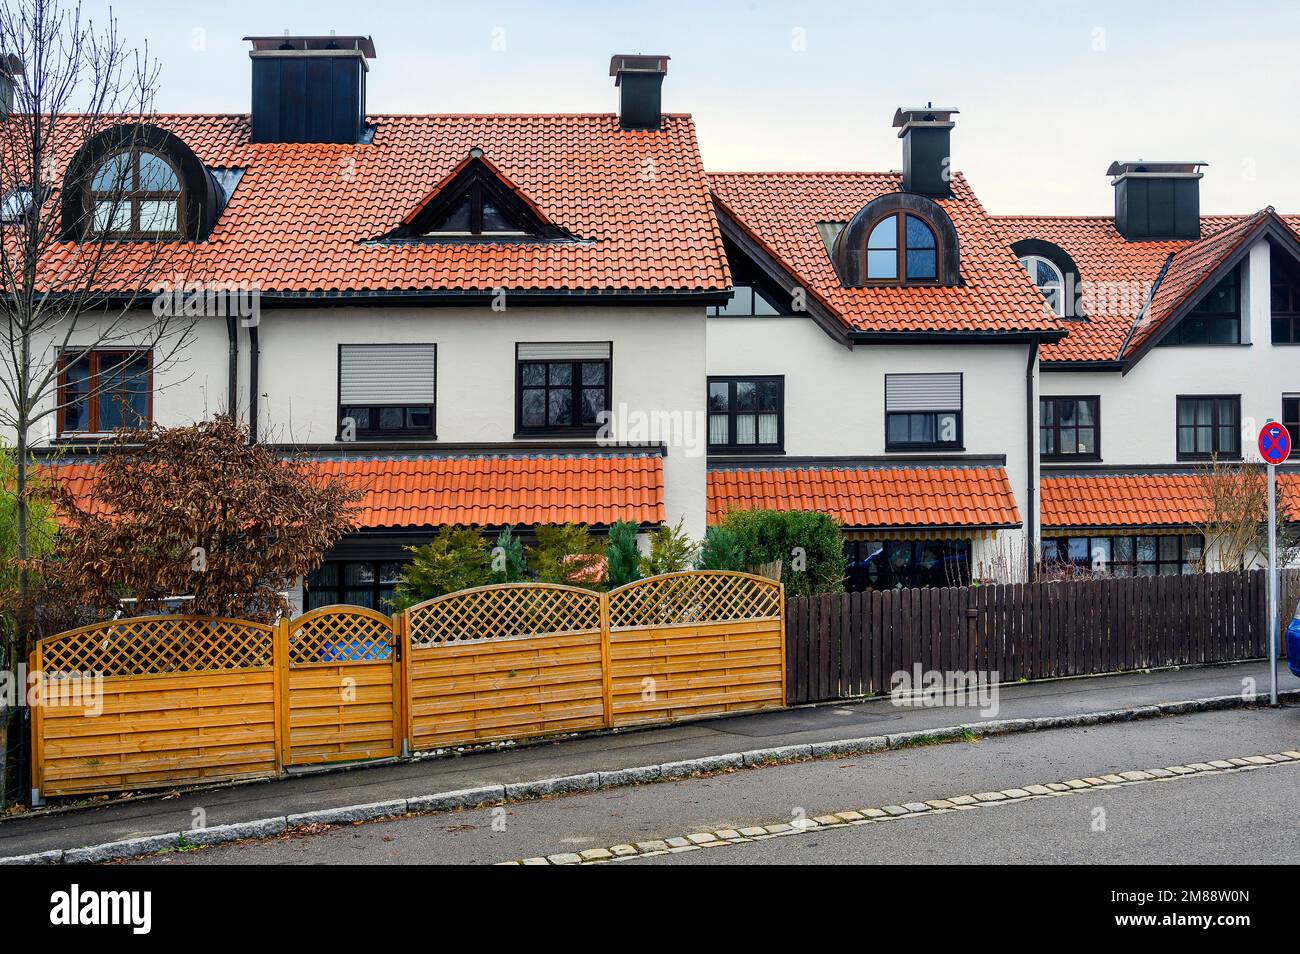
{"points": [[232, 377], [253, 402], [1031, 454]]}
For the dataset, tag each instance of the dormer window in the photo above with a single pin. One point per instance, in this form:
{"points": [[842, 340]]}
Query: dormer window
{"points": [[1049, 280], [17, 205], [902, 248], [897, 239], [135, 194], [476, 216]]}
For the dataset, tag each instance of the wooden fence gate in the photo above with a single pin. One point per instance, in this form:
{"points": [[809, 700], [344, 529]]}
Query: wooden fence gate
{"points": [[189, 699], [341, 685]]}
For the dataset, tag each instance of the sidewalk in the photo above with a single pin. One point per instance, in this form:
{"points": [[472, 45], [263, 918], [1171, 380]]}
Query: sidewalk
{"points": [[825, 723]]}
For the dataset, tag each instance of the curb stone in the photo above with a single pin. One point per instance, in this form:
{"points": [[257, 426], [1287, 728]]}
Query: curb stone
{"points": [[472, 797]]}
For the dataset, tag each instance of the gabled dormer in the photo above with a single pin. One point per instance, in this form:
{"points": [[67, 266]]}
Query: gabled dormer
{"points": [[476, 202]]}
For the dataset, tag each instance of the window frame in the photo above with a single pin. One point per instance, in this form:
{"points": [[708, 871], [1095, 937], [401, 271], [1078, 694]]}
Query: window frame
{"points": [[339, 587], [731, 447], [1291, 420], [575, 386], [1055, 428], [1215, 451], [374, 433], [1062, 558], [133, 198], [959, 444], [1290, 316], [1175, 337], [900, 250], [1034, 259], [94, 391]]}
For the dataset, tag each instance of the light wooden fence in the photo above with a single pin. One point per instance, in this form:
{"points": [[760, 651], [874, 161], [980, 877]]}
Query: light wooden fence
{"points": [[192, 699]]}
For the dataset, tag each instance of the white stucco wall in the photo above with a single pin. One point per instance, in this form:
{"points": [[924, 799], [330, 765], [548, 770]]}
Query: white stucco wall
{"points": [[1139, 410], [835, 397], [657, 366]]}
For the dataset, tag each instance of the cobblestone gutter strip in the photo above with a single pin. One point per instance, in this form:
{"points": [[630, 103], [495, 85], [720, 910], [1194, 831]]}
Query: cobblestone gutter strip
{"points": [[592, 781], [720, 837]]}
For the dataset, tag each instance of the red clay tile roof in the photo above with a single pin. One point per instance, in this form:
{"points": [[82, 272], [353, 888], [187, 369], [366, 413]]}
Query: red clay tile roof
{"points": [[484, 491], [1132, 500], [303, 215], [1119, 275], [872, 497], [781, 211]]}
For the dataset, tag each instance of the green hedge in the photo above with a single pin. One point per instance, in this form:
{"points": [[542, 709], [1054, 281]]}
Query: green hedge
{"points": [[809, 545]]}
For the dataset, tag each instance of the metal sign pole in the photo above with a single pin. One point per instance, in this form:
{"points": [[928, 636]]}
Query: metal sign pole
{"points": [[1272, 582]]}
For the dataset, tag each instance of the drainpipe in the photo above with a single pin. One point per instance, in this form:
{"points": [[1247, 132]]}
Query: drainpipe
{"points": [[1031, 454], [253, 402], [232, 377]]}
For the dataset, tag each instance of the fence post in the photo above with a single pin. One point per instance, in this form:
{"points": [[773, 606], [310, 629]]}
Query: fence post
{"points": [[35, 720], [780, 602], [401, 631], [606, 675], [280, 672]]}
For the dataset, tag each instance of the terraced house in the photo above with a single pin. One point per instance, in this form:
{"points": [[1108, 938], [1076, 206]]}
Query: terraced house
{"points": [[510, 320]]}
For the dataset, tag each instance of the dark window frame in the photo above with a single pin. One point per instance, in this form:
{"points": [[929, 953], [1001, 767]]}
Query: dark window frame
{"points": [[959, 444], [1200, 314], [954, 568], [900, 250], [732, 447], [339, 587], [1129, 567], [1291, 417], [376, 433], [576, 387], [94, 389], [1055, 427], [1215, 450], [134, 197], [1288, 316]]}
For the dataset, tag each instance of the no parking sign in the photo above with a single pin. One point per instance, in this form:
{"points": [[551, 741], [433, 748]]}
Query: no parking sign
{"points": [[1274, 443], [1275, 448]]}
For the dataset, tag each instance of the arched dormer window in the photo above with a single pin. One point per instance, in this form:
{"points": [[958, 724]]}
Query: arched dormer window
{"points": [[1054, 273], [898, 239], [136, 181], [136, 193]]}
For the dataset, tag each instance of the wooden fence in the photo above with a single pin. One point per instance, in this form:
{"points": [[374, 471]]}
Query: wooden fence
{"points": [[851, 644], [174, 700]]}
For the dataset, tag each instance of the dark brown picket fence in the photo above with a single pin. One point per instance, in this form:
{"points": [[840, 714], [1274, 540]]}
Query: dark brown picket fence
{"points": [[851, 644]]}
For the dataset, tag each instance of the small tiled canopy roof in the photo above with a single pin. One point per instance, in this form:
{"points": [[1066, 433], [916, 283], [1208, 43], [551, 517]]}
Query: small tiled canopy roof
{"points": [[304, 217], [494, 491], [1133, 500], [872, 497], [1119, 275], [780, 211]]}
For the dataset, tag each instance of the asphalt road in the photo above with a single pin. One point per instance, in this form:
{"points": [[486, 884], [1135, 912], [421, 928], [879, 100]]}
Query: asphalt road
{"points": [[1239, 817]]}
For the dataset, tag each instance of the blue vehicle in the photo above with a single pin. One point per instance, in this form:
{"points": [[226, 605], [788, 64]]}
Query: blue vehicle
{"points": [[1293, 643]]}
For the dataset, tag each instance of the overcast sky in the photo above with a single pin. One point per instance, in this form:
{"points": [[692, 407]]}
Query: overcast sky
{"points": [[1049, 93]]}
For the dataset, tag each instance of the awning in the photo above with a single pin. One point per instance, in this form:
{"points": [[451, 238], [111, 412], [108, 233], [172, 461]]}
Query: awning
{"points": [[883, 498]]}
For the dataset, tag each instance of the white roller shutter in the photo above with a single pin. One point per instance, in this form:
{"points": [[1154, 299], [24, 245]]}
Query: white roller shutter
{"points": [[388, 374], [564, 350], [923, 392]]}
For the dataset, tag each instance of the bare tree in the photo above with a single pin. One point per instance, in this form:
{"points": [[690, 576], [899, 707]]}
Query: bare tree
{"points": [[1236, 501], [70, 288]]}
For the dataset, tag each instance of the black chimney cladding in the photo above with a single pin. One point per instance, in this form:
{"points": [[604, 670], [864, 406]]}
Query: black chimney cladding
{"points": [[309, 88], [640, 84], [1156, 201], [926, 132]]}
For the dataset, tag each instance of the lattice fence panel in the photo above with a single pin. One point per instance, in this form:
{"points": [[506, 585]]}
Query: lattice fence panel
{"points": [[693, 597], [153, 645], [334, 634], [508, 611]]}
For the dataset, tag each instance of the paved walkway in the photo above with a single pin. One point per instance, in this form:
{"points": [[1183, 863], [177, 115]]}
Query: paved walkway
{"points": [[237, 803]]}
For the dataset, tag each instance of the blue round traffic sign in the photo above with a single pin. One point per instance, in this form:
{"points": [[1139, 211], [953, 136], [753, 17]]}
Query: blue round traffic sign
{"points": [[1274, 443]]}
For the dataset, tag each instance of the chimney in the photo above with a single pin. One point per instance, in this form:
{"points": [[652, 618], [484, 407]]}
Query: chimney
{"points": [[10, 66], [926, 132], [309, 88], [1157, 200], [640, 82]]}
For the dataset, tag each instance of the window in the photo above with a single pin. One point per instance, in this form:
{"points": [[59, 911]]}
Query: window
{"points": [[1069, 427], [476, 215], [1291, 417], [387, 391], [1128, 555], [746, 413], [871, 565], [1284, 298], [749, 300], [902, 248], [17, 204], [105, 391], [368, 583], [136, 193], [1047, 277], [1215, 319], [923, 411], [1209, 427], [562, 388]]}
